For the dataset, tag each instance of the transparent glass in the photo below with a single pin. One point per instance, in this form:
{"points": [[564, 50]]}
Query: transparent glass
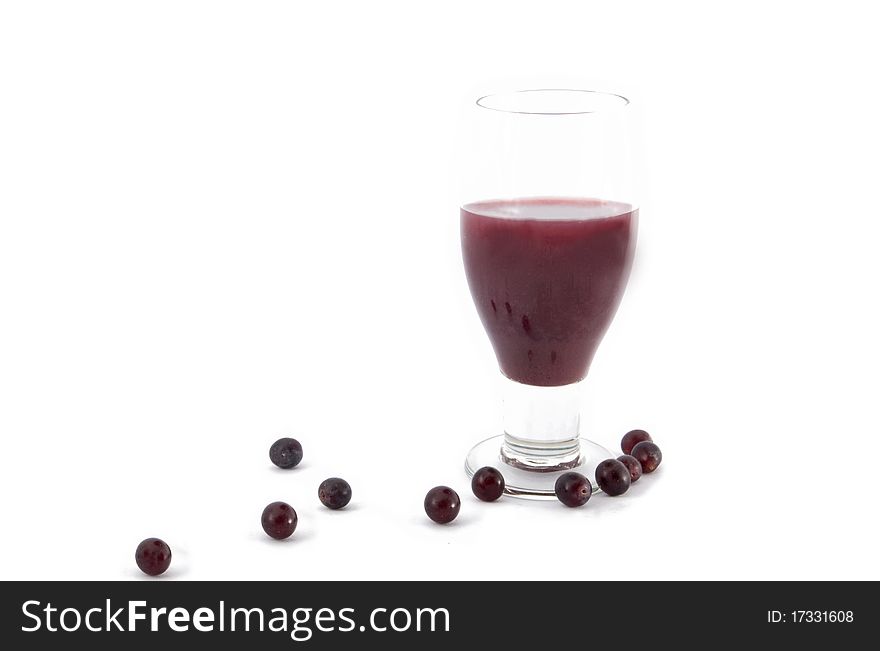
{"points": [[548, 229]]}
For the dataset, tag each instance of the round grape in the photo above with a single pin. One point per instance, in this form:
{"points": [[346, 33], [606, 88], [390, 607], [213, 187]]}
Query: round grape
{"points": [[630, 439], [334, 493], [286, 453], [442, 504], [487, 484], [153, 556], [632, 464], [573, 489], [279, 520], [613, 477], [648, 454]]}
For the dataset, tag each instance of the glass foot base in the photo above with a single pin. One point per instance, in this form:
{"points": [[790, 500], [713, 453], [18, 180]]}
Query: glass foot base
{"points": [[530, 484]]}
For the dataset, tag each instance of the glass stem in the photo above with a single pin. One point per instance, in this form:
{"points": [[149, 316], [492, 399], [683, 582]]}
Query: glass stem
{"points": [[541, 426]]}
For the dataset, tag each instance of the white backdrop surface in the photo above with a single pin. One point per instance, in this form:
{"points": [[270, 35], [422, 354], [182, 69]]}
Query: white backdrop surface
{"points": [[224, 222]]}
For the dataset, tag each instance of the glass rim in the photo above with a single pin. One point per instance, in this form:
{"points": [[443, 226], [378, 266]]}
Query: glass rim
{"points": [[613, 101]]}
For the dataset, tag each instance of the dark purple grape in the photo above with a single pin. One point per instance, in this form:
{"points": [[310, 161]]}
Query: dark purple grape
{"points": [[153, 556], [279, 520], [286, 453], [630, 439], [632, 464], [613, 477], [334, 493], [573, 489], [442, 504], [487, 484], [649, 455]]}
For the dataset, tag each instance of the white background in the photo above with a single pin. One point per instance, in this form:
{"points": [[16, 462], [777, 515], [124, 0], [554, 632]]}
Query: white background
{"points": [[224, 222]]}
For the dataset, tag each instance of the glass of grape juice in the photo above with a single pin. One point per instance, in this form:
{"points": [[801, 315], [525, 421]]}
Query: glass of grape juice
{"points": [[548, 230]]}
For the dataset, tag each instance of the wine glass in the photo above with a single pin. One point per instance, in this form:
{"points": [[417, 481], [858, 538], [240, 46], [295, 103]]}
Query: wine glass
{"points": [[548, 230]]}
